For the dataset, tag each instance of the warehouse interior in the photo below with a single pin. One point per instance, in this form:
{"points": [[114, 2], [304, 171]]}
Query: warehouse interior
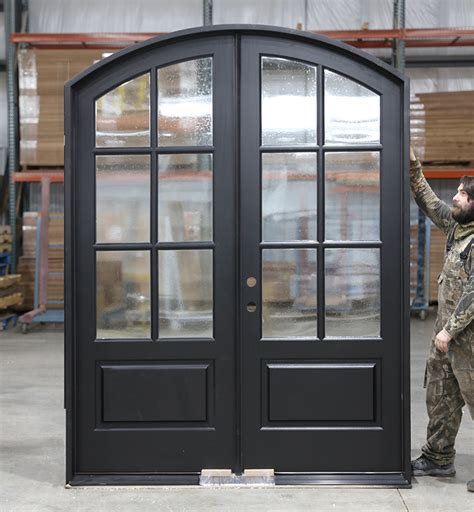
{"points": [[45, 43]]}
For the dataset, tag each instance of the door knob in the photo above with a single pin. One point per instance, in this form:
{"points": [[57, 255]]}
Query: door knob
{"points": [[251, 282]]}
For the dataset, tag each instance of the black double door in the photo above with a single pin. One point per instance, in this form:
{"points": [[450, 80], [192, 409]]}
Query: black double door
{"points": [[235, 262]]}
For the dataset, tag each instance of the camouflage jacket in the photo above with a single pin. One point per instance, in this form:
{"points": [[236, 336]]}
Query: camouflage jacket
{"points": [[456, 282]]}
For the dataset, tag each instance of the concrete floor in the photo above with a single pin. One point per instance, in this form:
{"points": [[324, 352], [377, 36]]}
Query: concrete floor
{"points": [[32, 451]]}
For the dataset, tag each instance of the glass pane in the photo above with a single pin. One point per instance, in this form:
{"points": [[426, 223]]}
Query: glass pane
{"points": [[352, 292], [123, 198], [289, 196], [352, 196], [288, 102], [185, 104], [186, 293], [123, 294], [123, 115], [185, 198], [351, 111], [289, 293]]}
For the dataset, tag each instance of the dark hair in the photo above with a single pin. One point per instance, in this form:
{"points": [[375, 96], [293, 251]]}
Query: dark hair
{"points": [[467, 183]]}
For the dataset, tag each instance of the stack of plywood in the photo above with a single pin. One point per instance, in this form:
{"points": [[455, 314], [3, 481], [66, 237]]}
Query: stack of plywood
{"points": [[42, 74], [27, 262], [10, 294], [442, 126]]}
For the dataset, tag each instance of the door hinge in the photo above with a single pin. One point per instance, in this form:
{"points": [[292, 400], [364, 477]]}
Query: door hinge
{"points": [[225, 477]]}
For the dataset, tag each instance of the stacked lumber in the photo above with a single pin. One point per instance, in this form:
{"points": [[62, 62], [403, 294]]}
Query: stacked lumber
{"points": [[27, 262], [442, 126], [55, 235], [42, 75], [10, 294], [5, 239], [436, 258]]}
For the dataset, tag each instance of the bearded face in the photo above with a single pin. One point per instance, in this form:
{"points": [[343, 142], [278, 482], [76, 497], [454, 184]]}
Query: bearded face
{"points": [[463, 207]]}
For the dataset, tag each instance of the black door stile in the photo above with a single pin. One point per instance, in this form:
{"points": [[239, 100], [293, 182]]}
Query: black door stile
{"points": [[318, 446], [241, 387], [153, 447]]}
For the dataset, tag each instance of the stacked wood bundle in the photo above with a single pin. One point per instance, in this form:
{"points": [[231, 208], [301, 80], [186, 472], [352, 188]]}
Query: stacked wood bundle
{"points": [[27, 262], [42, 75], [442, 126], [435, 259], [10, 294]]}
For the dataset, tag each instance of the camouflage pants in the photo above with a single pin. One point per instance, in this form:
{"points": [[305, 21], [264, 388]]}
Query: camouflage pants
{"points": [[449, 382]]}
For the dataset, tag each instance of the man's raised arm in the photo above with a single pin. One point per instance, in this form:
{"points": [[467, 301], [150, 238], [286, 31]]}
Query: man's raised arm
{"points": [[438, 211]]}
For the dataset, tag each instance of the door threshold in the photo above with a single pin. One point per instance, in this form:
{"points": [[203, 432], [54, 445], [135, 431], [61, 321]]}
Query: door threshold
{"points": [[388, 480], [86, 480], [250, 478]]}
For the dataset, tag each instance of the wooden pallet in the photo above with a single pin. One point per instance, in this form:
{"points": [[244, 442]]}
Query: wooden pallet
{"points": [[10, 280], [11, 300]]}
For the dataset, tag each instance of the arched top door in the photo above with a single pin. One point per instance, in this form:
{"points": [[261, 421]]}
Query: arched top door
{"points": [[236, 260], [120, 58]]}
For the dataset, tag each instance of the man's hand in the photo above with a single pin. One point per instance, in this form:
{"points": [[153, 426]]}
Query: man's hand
{"points": [[442, 341]]}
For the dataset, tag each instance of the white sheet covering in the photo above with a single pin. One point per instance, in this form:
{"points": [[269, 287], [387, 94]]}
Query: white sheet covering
{"points": [[163, 15]]}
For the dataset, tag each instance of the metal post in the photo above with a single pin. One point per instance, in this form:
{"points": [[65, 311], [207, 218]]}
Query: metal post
{"points": [[305, 14], [401, 42], [25, 18], [44, 249], [207, 12], [398, 51], [12, 21]]}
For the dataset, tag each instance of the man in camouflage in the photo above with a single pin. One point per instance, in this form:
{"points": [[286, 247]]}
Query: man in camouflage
{"points": [[449, 375]]}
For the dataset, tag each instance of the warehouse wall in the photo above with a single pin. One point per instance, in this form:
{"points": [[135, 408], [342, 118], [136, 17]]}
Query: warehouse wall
{"points": [[114, 15], [440, 79], [162, 15]]}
